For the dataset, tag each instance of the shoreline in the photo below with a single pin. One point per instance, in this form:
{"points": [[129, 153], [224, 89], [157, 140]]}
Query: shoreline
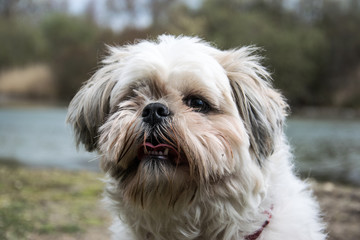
{"points": [[325, 113], [316, 112]]}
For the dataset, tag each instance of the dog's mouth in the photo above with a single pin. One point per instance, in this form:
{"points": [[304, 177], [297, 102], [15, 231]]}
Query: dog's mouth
{"points": [[160, 152]]}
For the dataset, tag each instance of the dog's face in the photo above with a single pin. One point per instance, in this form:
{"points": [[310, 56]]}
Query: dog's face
{"points": [[177, 119]]}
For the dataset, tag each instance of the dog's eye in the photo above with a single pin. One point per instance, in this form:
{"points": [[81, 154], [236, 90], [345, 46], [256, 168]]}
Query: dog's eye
{"points": [[197, 104]]}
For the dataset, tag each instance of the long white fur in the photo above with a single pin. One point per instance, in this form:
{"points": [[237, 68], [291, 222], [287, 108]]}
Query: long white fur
{"points": [[259, 174]]}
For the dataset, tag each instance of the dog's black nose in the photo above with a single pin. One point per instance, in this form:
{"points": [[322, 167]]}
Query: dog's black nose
{"points": [[155, 113]]}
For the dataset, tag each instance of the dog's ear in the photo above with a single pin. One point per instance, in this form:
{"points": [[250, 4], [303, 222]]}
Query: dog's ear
{"points": [[262, 108], [90, 106]]}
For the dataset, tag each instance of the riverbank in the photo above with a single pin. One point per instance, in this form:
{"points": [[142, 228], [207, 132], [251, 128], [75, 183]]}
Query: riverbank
{"points": [[54, 204], [327, 149], [341, 208]]}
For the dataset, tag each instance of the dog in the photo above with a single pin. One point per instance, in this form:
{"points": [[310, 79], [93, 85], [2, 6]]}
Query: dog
{"points": [[192, 143]]}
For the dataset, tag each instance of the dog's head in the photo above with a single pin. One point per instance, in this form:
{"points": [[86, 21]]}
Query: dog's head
{"points": [[178, 119]]}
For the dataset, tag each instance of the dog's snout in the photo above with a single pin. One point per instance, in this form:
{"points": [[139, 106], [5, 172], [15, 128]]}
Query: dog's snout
{"points": [[154, 113]]}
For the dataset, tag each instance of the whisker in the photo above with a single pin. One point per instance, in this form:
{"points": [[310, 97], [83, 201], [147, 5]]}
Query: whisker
{"points": [[127, 149], [95, 158], [176, 139], [228, 145], [129, 139], [144, 143]]}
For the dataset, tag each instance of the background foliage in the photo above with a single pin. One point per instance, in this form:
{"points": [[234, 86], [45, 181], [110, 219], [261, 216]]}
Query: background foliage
{"points": [[311, 47]]}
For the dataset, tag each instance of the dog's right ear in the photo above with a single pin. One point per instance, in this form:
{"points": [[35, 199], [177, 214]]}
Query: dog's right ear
{"points": [[90, 106]]}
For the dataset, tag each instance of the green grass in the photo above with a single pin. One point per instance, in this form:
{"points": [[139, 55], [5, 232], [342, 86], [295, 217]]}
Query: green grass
{"points": [[48, 202]]}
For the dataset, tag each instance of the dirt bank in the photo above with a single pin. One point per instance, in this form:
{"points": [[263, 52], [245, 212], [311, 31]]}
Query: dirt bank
{"points": [[341, 208]]}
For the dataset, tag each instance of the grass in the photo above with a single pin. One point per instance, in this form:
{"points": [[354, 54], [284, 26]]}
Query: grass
{"points": [[35, 202], [57, 204]]}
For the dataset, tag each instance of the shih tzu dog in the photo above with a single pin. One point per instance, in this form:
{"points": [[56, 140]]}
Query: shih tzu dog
{"points": [[191, 139]]}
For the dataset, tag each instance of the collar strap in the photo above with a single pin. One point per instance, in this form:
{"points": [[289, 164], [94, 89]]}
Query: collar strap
{"points": [[256, 234]]}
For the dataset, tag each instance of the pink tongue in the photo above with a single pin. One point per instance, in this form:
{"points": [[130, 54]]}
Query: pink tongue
{"points": [[173, 153], [158, 147]]}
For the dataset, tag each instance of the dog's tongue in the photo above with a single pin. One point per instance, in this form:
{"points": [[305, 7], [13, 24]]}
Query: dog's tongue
{"points": [[160, 151]]}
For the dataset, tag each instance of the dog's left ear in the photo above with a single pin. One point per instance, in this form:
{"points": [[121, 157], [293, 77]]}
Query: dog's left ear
{"points": [[261, 107], [90, 106]]}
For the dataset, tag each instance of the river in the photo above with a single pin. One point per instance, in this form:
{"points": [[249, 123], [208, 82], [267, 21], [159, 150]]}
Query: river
{"points": [[326, 149]]}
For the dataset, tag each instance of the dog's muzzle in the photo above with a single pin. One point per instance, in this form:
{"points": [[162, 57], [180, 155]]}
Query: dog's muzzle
{"points": [[158, 147]]}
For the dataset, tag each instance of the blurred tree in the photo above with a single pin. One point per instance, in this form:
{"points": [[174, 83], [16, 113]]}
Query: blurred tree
{"points": [[341, 23], [186, 21], [131, 11], [160, 10], [20, 44], [7, 8], [294, 51], [73, 45], [127, 7], [30, 9], [311, 47]]}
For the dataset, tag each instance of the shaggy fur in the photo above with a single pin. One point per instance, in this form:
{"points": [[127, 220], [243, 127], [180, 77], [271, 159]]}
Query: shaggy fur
{"points": [[230, 162]]}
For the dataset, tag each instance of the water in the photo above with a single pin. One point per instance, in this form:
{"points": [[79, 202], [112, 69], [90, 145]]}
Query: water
{"points": [[40, 138], [324, 149], [327, 149]]}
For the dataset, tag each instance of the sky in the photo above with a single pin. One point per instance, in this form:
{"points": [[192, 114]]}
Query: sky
{"points": [[117, 22]]}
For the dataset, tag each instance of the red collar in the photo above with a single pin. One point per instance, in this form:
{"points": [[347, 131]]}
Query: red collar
{"points": [[256, 234]]}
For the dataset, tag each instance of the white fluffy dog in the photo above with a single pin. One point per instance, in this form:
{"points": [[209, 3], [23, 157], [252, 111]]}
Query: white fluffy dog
{"points": [[192, 141]]}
